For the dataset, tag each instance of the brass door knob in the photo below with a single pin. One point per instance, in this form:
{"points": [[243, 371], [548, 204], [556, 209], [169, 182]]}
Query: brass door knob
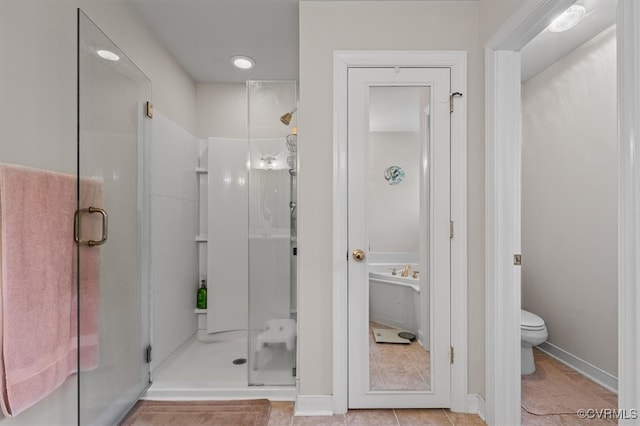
{"points": [[358, 255]]}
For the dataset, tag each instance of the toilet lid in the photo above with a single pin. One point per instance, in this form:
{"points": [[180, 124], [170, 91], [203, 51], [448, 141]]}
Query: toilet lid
{"points": [[530, 321]]}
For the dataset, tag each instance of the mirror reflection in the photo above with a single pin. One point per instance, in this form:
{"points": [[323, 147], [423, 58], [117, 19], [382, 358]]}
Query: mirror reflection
{"points": [[398, 194]]}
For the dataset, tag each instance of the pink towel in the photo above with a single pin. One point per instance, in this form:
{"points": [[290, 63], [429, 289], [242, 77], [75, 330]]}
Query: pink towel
{"points": [[38, 279]]}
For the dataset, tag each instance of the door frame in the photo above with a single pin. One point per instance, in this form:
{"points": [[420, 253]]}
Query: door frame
{"points": [[457, 62], [502, 198]]}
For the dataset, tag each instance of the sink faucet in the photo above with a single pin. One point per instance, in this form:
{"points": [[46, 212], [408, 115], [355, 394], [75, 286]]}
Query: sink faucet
{"points": [[405, 271]]}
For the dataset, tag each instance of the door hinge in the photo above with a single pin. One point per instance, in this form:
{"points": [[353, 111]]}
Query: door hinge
{"points": [[454, 94], [451, 354], [450, 229], [147, 355], [517, 259], [149, 109], [293, 371]]}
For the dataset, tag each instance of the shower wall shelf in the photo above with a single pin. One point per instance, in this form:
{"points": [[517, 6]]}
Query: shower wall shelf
{"points": [[201, 237], [201, 171]]}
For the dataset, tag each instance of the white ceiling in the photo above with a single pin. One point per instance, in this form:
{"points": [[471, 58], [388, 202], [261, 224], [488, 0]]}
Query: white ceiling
{"points": [[204, 34]]}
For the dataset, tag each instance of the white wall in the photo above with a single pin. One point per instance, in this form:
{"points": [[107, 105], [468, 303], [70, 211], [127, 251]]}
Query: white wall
{"points": [[569, 201], [174, 225], [38, 82], [38, 105], [361, 25], [222, 110], [493, 13]]}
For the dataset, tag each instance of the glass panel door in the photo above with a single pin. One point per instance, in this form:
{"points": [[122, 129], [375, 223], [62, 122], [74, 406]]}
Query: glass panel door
{"points": [[272, 244], [113, 291]]}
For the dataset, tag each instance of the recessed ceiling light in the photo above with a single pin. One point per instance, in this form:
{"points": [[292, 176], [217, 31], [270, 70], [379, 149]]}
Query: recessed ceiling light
{"points": [[568, 19], [108, 55], [243, 62]]}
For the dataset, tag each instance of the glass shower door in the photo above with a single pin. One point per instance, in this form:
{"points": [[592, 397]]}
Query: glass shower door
{"points": [[272, 244], [112, 280]]}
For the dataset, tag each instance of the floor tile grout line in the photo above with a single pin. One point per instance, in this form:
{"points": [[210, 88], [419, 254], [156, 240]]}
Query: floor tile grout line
{"points": [[448, 418], [427, 383], [396, 416]]}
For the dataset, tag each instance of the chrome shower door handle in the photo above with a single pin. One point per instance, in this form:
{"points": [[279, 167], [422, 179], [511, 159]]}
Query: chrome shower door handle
{"points": [[105, 226]]}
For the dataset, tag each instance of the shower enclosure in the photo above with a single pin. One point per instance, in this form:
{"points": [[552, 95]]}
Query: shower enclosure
{"points": [[251, 218], [245, 343], [247, 246], [272, 143]]}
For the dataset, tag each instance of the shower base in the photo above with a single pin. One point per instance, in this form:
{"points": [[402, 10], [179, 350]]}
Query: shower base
{"points": [[205, 371]]}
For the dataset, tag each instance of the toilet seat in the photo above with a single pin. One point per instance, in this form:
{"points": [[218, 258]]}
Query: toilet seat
{"points": [[530, 321]]}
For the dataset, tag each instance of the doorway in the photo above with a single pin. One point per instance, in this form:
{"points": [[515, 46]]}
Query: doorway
{"points": [[503, 195], [350, 365]]}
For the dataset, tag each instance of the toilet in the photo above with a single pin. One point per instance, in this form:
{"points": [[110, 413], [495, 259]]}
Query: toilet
{"points": [[533, 332]]}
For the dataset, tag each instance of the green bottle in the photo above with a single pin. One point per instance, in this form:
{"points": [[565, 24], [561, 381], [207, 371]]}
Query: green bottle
{"points": [[202, 295]]}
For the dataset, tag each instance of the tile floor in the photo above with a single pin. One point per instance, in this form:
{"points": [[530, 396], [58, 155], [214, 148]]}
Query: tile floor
{"points": [[594, 396], [282, 415], [282, 412], [414, 372], [392, 366], [398, 366]]}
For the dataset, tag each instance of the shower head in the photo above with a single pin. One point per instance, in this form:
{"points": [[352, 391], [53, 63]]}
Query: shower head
{"points": [[286, 118]]}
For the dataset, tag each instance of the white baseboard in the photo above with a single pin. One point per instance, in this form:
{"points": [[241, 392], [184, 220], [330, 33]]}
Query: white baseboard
{"points": [[591, 371], [314, 405], [475, 405]]}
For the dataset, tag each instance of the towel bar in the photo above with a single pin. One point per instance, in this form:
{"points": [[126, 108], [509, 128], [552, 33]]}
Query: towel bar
{"points": [[76, 228]]}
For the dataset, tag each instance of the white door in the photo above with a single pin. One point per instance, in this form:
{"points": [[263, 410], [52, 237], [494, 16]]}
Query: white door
{"points": [[398, 217]]}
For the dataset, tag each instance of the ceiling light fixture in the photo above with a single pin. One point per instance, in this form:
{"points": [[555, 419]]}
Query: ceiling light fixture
{"points": [[108, 55], [568, 19], [243, 62]]}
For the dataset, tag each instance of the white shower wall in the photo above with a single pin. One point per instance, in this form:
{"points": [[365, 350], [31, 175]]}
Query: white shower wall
{"points": [[174, 225], [227, 247], [248, 238]]}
